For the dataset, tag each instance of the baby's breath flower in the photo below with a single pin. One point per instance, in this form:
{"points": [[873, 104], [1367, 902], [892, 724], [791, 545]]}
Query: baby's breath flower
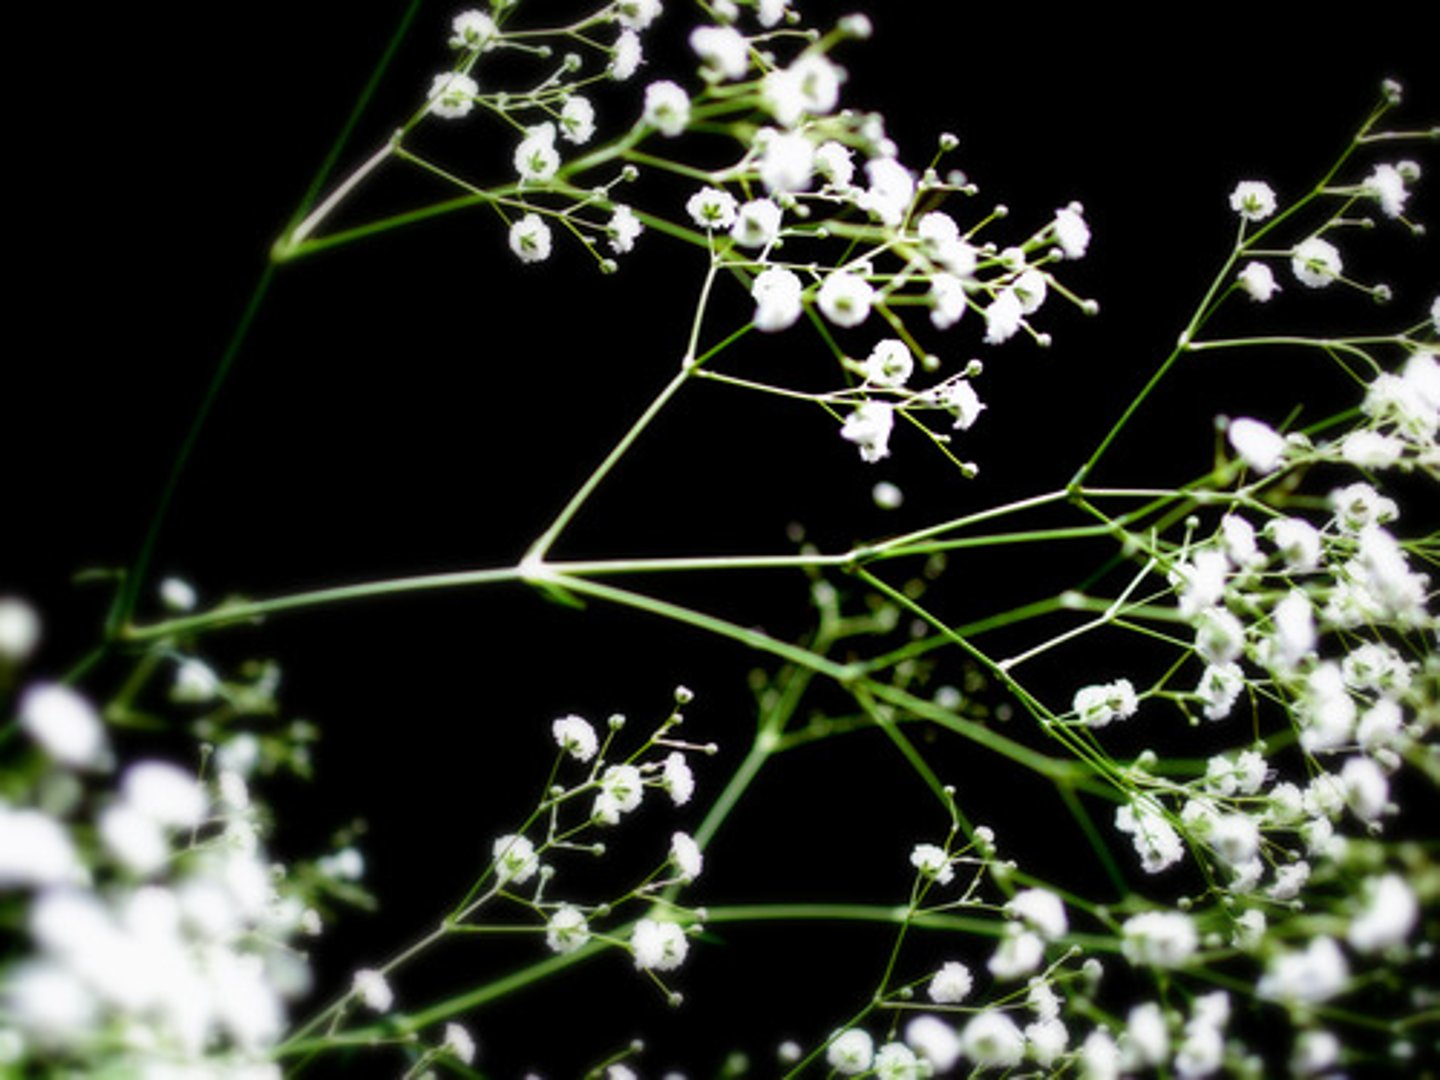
{"points": [[896, 1061], [685, 856], [1162, 939], [164, 793], [933, 863], [452, 95], [577, 120], [1297, 541], [1030, 289], [992, 1039], [1018, 953], [1219, 688], [621, 790], [374, 992], [1155, 840], [786, 160], [626, 56], [567, 929], [936, 1041], [459, 1043], [1390, 913], [1147, 1038], [35, 850], [777, 293], [889, 364], [473, 30], [1305, 978], [65, 725], [1041, 909], [658, 946], [1259, 445], [1316, 262], [1253, 200], [1046, 1040], [624, 228], [515, 859], [1003, 316], [177, 594], [850, 1052], [1258, 281], [809, 86], [887, 496], [536, 159], [1386, 185], [869, 427], [957, 396], [195, 683], [891, 190], [530, 238], [1097, 705], [1071, 231], [677, 779], [723, 49], [951, 984], [637, 14], [947, 300], [712, 208], [834, 163], [757, 223], [667, 107], [575, 736], [845, 298]]}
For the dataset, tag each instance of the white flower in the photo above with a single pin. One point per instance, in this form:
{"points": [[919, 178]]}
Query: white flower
{"points": [[786, 160], [1390, 913], [757, 223], [1041, 909], [777, 295], [1258, 281], [869, 427], [1161, 939], [1019, 953], [452, 95], [627, 56], [1359, 505], [575, 736], [1030, 289], [1309, 977], [833, 161], [850, 1052], [530, 238], [1368, 449], [1147, 1039], [1253, 200], [1046, 1040], [35, 850], [1293, 623], [1316, 262], [195, 683], [889, 364], [577, 120], [515, 859], [1003, 316], [1201, 581], [1219, 688], [1071, 231], [65, 725], [621, 790], [685, 855], [896, 1061], [947, 300], [1219, 636], [166, 794], [1316, 1052], [991, 1038], [1259, 445], [373, 991], [536, 159], [1386, 185], [658, 946], [810, 85], [892, 187], [845, 298], [887, 496], [637, 14], [677, 779], [473, 30], [770, 12], [723, 49], [935, 1041], [712, 208], [1098, 705], [1155, 839], [1297, 541], [667, 107], [951, 984], [567, 929], [1366, 788], [933, 863], [459, 1043], [178, 595], [19, 630], [623, 229], [957, 396]]}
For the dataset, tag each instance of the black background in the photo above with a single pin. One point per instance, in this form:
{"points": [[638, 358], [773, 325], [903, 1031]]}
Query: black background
{"points": [[421, 402]]}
